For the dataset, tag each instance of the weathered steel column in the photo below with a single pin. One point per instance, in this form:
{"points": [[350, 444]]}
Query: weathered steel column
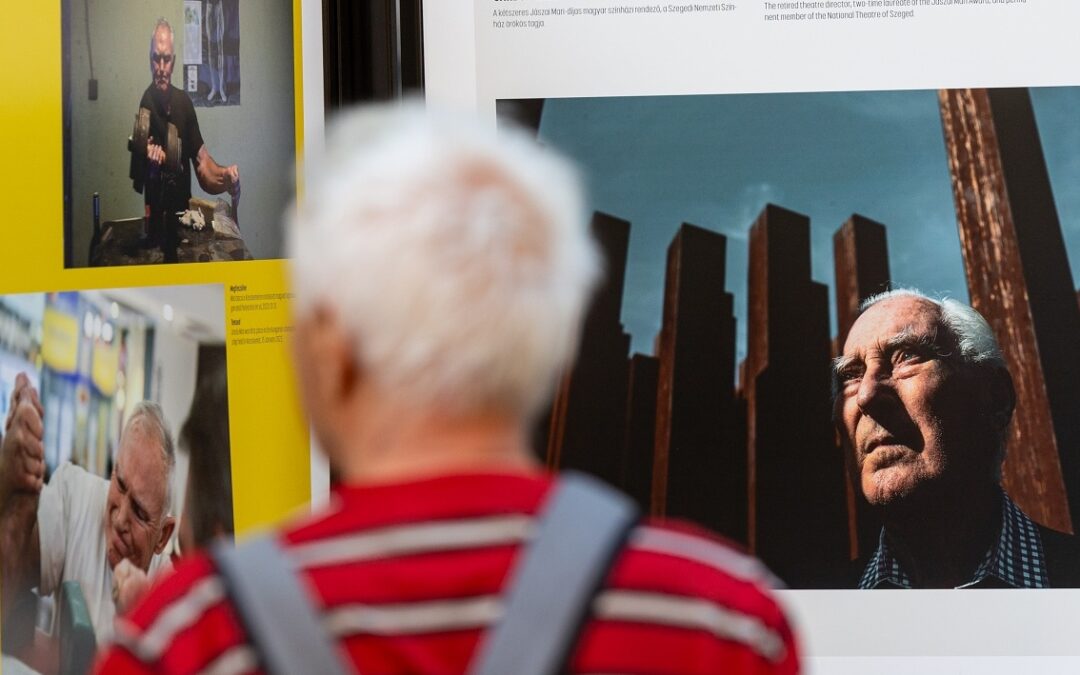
{"points": [[640, 437], [861, 263], [1019, 278], [700, 469], [588, 421], [798, 514]]}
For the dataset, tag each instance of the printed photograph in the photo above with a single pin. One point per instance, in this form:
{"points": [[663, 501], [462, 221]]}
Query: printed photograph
{"points": [[159, 143], [212, 52], [839, 329], [114, 458]]}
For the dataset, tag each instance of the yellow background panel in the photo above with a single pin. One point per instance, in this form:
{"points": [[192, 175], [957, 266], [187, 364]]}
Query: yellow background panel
{"points": [[269, 437]]}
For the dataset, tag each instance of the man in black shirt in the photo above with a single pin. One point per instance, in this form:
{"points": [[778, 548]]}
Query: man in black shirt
{"points": [[174, 106]]}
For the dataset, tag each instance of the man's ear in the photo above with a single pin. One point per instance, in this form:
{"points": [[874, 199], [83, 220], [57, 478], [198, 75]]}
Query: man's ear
{"points": [[327, 367], [166, 533], [332, 353], [1002, 397]]}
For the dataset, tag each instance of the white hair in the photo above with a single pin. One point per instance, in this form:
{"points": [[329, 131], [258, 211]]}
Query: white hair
{"points": [[162, 22], [157, 427], [460, 262], [975, 339], [158, 25]]}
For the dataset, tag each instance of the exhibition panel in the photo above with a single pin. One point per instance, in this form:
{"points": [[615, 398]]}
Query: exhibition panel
{"points": [[135, 285], [758, 170]]}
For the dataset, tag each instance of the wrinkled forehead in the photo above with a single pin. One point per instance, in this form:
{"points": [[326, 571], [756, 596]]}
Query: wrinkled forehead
{"points": [[163, 43], [891, 320], [141, 460]]}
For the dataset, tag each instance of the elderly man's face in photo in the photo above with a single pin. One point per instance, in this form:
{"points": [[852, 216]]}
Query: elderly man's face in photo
{"points": [[162, 60], [135, 509], [904, 406]]}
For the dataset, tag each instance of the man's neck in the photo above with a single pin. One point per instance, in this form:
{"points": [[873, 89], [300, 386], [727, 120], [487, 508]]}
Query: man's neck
{"points": [[396, 445], [941, 543]]}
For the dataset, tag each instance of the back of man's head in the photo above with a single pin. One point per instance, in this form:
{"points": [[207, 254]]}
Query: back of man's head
{"points": [[458, 262]]}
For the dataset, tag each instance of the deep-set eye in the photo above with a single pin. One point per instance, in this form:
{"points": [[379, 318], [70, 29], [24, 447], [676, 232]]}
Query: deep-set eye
{"points": [[906, 355], [852, 373]]}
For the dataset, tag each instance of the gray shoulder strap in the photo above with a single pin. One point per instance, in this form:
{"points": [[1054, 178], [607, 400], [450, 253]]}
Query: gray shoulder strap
{"points": [[583, 526], [276, 612]]}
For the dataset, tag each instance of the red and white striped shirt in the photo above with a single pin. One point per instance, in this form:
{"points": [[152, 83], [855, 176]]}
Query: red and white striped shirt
{"points": [[408, 576]]}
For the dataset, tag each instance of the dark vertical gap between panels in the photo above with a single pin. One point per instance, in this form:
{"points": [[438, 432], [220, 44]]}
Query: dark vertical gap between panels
{"points": [[372, 51]]}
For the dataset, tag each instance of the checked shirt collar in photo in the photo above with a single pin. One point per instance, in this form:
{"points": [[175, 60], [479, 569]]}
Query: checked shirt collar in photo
{"points": [[1015, 559]]}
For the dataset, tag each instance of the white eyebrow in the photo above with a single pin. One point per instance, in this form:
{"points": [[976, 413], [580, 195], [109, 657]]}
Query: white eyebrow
{"points": [[842, 362], [906, 337]]}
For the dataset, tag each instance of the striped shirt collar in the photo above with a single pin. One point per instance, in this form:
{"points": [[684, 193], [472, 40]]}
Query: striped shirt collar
{"points": [[1015, 559]]}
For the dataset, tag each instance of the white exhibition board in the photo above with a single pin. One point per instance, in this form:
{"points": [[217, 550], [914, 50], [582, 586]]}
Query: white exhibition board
{"points": [[479, 52]]}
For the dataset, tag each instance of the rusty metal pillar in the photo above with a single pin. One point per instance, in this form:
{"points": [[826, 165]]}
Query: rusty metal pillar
{"points": [[861, 263], [798, 513], [700, 469], [640, 430], [588, 419], [1019, 279]]}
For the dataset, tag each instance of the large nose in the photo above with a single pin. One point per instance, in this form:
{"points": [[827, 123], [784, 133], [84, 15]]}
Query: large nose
{"points": [[875, 387], [122, 516]]}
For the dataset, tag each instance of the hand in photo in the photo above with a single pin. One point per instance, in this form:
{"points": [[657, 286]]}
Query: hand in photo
{"points": [[23, 454]]}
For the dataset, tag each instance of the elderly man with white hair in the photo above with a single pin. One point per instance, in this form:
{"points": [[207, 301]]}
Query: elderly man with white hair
{"points": [[441, 274], [923, 404], [172, 105], [81, 527]]}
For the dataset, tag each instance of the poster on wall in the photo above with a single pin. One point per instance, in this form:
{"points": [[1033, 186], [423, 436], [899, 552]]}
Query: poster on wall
{"points": [[218, 56], [742, 214], [111, 355], [193, 23], [757, 172], [160, 157], [128, 391]]}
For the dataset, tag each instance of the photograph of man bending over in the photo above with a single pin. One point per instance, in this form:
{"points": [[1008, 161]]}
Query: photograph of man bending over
{"points": [[923, 401], [80, 527]]}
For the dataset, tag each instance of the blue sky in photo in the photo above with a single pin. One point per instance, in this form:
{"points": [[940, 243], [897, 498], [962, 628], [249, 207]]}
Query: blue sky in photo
{"points": [[715, 161]]}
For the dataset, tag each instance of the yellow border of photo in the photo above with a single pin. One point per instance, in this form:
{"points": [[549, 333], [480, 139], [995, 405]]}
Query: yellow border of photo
{"points": [[269, 437]]}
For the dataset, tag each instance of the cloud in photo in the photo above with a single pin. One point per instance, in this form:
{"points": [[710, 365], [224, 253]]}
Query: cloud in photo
{"points": [[716, 160]]}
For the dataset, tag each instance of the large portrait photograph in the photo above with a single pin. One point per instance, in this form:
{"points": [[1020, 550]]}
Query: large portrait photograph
{"points": [[114, 460], [841, 329], [179, 130]]}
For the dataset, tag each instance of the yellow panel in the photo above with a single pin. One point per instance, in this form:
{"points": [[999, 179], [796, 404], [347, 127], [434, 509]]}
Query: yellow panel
{"points": [[274, 468], [270, 451]]}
